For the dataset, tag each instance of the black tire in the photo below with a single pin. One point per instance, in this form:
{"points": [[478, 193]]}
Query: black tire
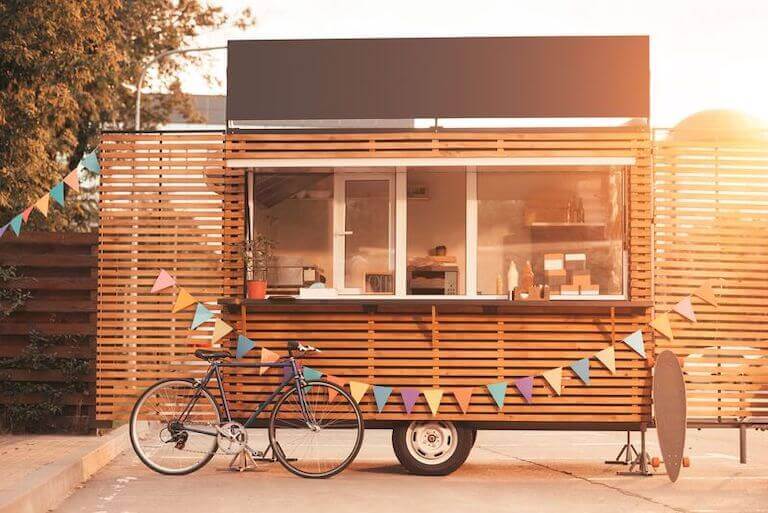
{"points": [[135, 436], [342, 402], [410, 441]]}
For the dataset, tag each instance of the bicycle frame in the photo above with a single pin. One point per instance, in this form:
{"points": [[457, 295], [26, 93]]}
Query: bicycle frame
{"points": [[215, 370]]}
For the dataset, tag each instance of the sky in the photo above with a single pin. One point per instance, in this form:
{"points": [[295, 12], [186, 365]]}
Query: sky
{"points": [[705, 54]]}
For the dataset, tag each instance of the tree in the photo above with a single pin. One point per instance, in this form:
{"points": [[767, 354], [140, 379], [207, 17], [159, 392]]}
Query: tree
{"points": [[68, 69]]}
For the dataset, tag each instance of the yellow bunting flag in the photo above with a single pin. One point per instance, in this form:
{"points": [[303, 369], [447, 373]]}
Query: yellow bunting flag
{"points": [[332, 393], [433, 397], [662, 325], [267, 356], [706, 293], [358, 390], [183, 300], [220, 329], [555, 379], [42, 204], [463, 397], [608, 358]]}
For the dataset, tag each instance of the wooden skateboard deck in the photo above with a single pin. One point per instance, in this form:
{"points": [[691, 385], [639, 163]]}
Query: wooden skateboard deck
{"points": [[670, 411]]}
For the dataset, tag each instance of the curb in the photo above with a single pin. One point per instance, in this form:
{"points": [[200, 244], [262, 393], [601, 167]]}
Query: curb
{"points": [[47, 487]]}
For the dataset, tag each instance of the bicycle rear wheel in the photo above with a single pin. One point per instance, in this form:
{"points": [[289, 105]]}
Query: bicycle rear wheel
{"points": [[326, 445], [160, 423]]}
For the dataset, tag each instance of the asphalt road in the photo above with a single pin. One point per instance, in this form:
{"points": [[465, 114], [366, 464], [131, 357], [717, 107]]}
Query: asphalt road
{"points": [[526, 471]]}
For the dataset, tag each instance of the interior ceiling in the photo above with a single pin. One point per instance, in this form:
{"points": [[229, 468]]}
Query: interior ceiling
{"points": [[271, 189]]}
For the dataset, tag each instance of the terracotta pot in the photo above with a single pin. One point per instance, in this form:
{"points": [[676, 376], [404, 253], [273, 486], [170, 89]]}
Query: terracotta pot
{"points": [[256, 289]]}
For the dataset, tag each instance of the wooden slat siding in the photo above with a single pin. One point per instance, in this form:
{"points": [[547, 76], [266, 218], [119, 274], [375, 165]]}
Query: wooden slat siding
{"points": [[472, 349], [166, 201], [404, 356], [711, 204], [140, 341], [59, 270]]}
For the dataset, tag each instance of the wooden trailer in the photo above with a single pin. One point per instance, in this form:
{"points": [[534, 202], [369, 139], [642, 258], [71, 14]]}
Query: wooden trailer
{"points": [[396, 247]]}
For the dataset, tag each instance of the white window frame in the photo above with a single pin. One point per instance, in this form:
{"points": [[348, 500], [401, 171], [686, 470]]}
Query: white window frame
{"points": [[359, 169]]}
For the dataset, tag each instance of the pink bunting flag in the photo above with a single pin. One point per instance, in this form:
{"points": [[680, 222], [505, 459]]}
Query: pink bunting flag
{"points": [[685, 308], [163, 281], [72, 181], [525, 387], [26, 213]]}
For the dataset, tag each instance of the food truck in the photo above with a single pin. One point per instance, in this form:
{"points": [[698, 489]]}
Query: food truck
{"points": [[459, 215]]}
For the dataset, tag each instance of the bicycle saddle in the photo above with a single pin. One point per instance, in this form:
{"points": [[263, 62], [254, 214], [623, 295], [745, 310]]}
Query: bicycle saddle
{"points": [[207, 355]]}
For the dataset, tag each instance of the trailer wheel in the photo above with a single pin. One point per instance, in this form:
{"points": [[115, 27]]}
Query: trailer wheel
{"points": [[432, 448]]}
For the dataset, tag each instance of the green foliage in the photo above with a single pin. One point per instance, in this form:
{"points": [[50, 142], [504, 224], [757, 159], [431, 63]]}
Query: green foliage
{"points": [[39, 355], [68, 69]]}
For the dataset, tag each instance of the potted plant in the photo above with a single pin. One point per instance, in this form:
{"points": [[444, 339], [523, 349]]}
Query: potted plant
{"points": [[256, 256]]}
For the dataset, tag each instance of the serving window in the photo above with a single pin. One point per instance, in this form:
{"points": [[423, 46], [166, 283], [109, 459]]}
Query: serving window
{"points": [[449, 231]]}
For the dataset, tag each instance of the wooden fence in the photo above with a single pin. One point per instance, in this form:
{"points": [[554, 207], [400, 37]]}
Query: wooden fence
{"points": [[711, 226], [57, 276]]}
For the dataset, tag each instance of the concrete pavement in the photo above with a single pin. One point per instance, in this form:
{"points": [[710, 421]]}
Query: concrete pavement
{"points": [[537, 472]]}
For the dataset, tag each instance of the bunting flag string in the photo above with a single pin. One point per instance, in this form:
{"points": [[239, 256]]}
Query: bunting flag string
{"points": [[498, 390], [89, 161]]}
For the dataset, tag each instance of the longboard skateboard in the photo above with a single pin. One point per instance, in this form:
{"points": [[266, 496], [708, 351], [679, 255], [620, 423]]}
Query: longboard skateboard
{"points": [[670, 411]]}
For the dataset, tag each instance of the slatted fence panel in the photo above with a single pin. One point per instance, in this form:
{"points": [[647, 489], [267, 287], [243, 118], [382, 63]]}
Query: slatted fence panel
{"points": [[711, 225], [166, 201], [58, 271]]}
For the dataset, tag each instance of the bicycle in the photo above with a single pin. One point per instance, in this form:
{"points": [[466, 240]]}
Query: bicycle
{"points": [[315, 428]]}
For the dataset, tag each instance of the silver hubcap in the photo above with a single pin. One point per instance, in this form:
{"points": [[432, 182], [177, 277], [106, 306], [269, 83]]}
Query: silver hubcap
{"points": [[432, 442]]}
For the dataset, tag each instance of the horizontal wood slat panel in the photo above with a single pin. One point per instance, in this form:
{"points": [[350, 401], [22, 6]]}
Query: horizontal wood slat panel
{"points": [[711, 205]]}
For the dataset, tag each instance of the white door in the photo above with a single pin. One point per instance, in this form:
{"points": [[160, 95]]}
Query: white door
{"points": [[364, 238]]}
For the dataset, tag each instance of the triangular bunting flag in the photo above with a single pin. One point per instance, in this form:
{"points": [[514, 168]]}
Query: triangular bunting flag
{"points": [[244, 344], [42, 204], [410, 396], [581, 368], [202, 314], [463, 397], [183, 300], [685, 308], [635, 341], [525, 387], [220, 329], [2, 230], [433, 397], [662, 325], [382, 396], [340, 382], [57, 193], [311, 374], [608, 358], [555, 379], [26, 213], [91, 162], [72, 181], [706, 293], [162, 282], [267, 356], [498, 391], [16, 224], [358, 390]]}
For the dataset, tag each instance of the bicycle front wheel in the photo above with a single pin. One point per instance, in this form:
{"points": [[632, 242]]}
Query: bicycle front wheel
{"points": [[326, 440], [173, 427]]}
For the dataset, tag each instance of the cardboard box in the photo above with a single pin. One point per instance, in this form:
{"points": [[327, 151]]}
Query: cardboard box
{"points": [[553, 261], [590, 290], [569, 290], [556, 279], [575, 261], [581, 278]]}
